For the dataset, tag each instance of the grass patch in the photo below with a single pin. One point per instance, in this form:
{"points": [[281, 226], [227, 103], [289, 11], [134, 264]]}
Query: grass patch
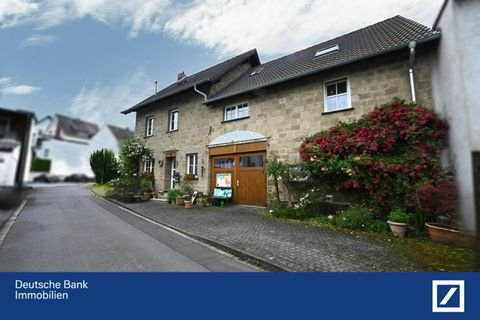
{"points": [[102, 190], [419, 252]]}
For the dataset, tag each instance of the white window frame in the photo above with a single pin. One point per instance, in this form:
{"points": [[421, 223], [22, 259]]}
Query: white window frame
{"points": [[194, 165], [348, 94], [172, 125], [235, 109], [149, 126], [148, 165]]}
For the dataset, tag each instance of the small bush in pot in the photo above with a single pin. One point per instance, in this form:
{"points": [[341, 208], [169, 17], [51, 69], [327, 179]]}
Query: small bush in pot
{"points": [[398, 221], [438, 201]]}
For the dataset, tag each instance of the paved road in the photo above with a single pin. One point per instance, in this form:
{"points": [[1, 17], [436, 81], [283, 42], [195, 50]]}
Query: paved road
{"points": [[66, 228]]}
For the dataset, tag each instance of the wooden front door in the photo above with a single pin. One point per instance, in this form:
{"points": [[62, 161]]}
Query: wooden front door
{"points": [[247, 176]]}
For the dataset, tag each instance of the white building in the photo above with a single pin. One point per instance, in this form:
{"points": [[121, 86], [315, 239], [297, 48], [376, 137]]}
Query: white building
{"points": [[455, 82]]}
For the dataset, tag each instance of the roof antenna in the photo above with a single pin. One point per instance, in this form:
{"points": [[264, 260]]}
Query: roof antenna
{"points": [[156, 86]]}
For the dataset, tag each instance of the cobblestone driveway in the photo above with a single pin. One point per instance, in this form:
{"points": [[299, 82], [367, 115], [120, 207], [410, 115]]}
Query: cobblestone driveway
{"points": [[291, 246]]}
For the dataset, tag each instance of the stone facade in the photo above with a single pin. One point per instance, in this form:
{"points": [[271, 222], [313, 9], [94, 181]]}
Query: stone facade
{"points": [[283, 113]]}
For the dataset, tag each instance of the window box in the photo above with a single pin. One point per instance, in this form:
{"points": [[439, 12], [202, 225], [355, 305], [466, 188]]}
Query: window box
{"points": [[191, 176]]}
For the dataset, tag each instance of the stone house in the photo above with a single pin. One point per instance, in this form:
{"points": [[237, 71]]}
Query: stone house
{"points": [[228, 119]]}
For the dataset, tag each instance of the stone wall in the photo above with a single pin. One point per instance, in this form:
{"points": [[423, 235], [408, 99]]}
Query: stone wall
{"points": [[284, 113]]}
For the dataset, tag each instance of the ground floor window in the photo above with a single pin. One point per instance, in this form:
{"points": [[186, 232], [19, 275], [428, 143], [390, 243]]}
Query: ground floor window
{"points": [[192, 163], [148, 165]]}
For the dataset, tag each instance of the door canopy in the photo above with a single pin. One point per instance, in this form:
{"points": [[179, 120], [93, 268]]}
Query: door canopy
{"points": [[237, 137]]}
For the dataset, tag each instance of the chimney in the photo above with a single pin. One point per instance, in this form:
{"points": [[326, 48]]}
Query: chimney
{"points": [[181, 75]]}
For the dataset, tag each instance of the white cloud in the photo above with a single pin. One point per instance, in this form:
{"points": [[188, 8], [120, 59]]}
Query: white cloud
{"points": [[226, 26], [5, 81], [38, 39], [103, 103], [19, 90], [282, 26], [12, 12]]}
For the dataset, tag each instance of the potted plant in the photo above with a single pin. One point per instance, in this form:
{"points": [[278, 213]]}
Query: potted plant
{"points": [[147, 187], [201, 202], [438, 201], [188, 204], [398, 221], [172, 195]]}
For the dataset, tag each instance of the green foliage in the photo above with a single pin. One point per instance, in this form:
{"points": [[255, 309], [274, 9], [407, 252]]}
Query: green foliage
{"points": [[380, 158], [354, 218], [41, 165], [186, 187], [146, 184], [399, 215], [277, 169], [133, 151], [172, 195], [104, 165]]}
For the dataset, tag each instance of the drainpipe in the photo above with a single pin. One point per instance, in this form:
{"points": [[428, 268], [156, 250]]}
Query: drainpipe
{"points": [[200, 92], [411, 72]]}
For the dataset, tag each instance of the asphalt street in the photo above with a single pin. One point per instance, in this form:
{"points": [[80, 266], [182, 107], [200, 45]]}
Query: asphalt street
{"points": [[66, 228]]}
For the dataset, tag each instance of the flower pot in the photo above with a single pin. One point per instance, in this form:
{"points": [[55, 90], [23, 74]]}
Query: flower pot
{"points": [[188, 204], [398, 228], [201, 204], [180, 201], [442, 234]]}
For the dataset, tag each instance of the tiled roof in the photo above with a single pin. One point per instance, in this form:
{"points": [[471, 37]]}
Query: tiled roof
{"points": [[386, 36], [120, 133], [209, 74], [77, 128]]}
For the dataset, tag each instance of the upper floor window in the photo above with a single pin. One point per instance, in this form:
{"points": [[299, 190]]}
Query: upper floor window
{"points": [[148, 165], [236, 112], [337, 95], [173, 120], [192, 163], [149, 127]]}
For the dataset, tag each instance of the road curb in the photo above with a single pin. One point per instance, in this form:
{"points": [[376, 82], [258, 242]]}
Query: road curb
{"points": [[264, 264], [7, 225]]}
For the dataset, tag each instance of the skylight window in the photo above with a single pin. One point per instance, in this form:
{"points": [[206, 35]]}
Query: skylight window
{"points": [[257, 71], [324, 51]]}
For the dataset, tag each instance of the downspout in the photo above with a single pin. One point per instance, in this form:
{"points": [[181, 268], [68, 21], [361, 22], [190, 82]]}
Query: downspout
{"points": [[200, 92], [411, 72]]}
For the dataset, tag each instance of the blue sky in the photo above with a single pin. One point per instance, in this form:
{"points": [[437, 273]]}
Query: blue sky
{"points": [[94, 58]]}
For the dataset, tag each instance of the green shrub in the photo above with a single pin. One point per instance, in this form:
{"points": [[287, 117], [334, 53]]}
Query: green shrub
{"points": [[104, 165], [354, 218], [378, 226], [399, 215], [172, 195], [41, 165]]}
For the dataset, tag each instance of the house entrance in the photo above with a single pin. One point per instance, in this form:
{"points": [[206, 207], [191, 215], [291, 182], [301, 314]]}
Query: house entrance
{"points": [[245, 163], [170, 171]]}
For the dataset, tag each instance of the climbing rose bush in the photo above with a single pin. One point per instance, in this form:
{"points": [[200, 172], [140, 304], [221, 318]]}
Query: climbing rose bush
{"points": [[382, 157], [133, 151]]}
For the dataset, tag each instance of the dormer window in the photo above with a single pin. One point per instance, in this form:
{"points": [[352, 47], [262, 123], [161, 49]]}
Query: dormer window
{"points": [[327, 50], [257, 71]]}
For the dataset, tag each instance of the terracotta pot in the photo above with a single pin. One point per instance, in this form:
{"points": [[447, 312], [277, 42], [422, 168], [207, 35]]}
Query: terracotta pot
{"points": [[442, 234], [188, 204], [398, 228]]}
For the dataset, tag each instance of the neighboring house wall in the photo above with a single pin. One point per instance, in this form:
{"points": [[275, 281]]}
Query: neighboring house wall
{"points": [[66, 157], [455, 82], [104, 139], [283, 113]]}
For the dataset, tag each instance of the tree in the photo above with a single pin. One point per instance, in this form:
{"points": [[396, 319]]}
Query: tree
{"points": [[277, 169], [104, 165]]}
